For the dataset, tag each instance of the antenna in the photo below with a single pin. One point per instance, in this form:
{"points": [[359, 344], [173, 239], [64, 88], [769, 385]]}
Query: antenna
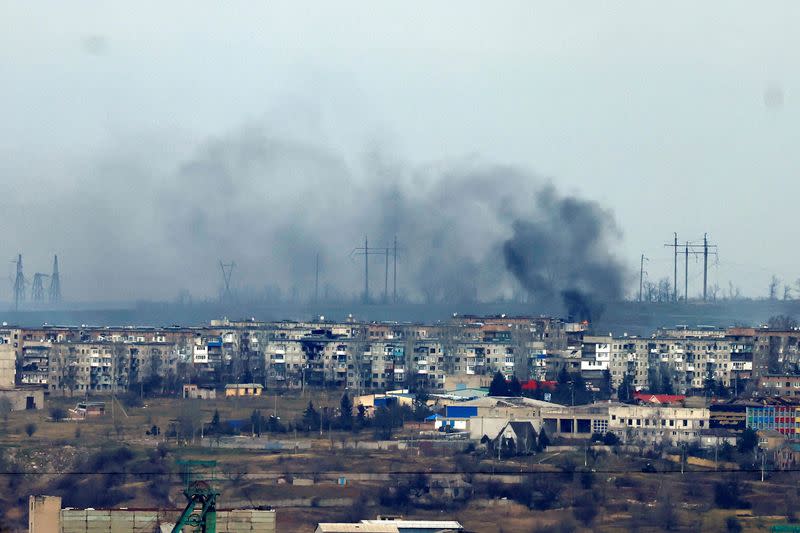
{"points": [[55, 283], [19, 284], [227, 272]]}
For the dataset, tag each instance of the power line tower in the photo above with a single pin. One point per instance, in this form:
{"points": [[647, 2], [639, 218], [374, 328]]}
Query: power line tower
{"points": [[707, 249], [19, 284], [227, 272], [55, 284], [674, 247], [641, 276], [366, 251], [37, 288]]}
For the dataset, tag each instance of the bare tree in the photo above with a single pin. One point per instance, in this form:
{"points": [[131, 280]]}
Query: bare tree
{"points": [[774, 282], [713, 292], [733, 291], [787, 292]]}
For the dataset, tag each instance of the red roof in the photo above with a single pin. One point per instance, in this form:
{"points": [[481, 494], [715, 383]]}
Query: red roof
{"points": [[646, 397], [534, 385]]}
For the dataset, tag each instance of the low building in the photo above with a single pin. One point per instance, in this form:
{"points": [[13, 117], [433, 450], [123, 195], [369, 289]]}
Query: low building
{"points": [[89, 409], [195, 392], [417, 526], [329, 527], [23, 398], [243, 389], [656, 425], [389, 399]]}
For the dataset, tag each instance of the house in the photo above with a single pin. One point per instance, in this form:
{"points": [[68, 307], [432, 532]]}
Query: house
{"points": [[243, 389]]}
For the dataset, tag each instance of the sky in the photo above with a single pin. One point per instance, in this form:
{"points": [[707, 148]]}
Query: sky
{"points": [[673, 117]]}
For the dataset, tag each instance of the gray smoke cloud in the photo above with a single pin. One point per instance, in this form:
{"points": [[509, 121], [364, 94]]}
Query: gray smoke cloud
{"points": [[136, 226]]}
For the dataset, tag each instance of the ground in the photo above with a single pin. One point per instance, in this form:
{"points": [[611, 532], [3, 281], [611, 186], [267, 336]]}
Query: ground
{"points": [[304, 485]]}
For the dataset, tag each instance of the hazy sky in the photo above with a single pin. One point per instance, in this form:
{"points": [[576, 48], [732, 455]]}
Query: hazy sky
{"points": [[677, 116]]}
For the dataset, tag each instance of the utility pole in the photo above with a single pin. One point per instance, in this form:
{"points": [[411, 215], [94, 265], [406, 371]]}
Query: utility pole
{"points": [[695, 249], [316, 280], [366, 252], [386, 280], [641, 276], [706, 252], [674, 247], [686, 274], [395, 269]]}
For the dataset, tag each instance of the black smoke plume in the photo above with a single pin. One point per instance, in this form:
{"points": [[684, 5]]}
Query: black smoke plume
{"points": [[153, 222], [562, 250]]}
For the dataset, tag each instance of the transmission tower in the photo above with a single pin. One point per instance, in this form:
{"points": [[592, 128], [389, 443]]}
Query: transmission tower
{"points": [[55, 284], [695, 249], [37, 288], [19, 284], [227, 272]]}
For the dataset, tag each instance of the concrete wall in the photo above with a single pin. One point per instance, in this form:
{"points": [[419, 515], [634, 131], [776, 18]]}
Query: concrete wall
{"points": [[8, 366], [44, 513], [137, 521]]}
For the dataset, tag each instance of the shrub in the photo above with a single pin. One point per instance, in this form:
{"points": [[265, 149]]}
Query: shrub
{"points": [[30, 429], [58, 414]]}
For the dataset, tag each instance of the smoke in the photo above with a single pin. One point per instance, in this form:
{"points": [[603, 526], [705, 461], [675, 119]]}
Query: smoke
{"points": [[562, 251], [140, 225]]}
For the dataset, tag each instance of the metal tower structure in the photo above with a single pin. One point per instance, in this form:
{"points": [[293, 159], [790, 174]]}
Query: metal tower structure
{"points": [[19, 284], [37, 288], [200, 513], [227, 272], [54, 292]]}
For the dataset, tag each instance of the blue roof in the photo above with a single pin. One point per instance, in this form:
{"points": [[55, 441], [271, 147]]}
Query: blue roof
{"points": [[433, 417]]}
